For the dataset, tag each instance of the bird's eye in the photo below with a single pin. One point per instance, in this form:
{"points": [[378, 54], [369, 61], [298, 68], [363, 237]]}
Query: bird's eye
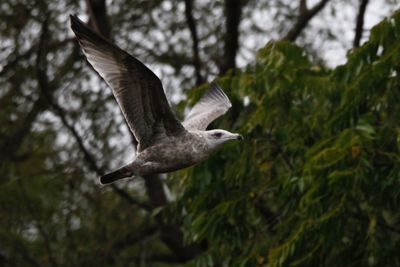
{"points": [[217, 135]]}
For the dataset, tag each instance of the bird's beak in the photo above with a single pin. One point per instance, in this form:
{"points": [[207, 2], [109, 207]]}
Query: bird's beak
{"points": [[239, 137]]}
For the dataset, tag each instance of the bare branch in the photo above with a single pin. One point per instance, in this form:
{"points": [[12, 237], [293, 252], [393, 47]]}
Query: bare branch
{"points": [[13, 141], [41, 67], [155, 190], [303, 7], [195, 40], [360, 23], [305, 15], [233, 12]]}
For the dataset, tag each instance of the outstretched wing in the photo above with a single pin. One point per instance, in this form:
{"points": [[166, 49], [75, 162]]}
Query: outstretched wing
{"points": [[137, 89], [213, 104]]}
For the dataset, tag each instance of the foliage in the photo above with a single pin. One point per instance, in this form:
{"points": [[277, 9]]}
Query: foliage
{"points": [[315, 183]]}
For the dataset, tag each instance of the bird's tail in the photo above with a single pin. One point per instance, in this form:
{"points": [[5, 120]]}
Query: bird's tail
{"points": [[116, 175]]}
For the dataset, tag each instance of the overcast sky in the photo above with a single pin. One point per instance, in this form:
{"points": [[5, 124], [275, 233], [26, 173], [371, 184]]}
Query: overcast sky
{"points": [[339, 19]]}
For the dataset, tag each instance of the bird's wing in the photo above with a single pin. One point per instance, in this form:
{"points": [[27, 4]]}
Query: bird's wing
{"points": [[213, 104], [137, 89]]}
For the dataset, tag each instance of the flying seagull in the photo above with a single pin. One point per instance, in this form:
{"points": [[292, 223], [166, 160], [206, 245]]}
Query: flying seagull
{"points": [[164, 143]]}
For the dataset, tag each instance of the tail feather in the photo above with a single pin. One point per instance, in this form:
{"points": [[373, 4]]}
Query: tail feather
{"points": [[115, 175]]}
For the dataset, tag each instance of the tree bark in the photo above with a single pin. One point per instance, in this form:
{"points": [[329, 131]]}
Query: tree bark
{"points": [[360, 23], [233, 12], [195, 40]]}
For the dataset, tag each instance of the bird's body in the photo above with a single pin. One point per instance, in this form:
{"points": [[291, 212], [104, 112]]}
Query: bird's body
{"points": [[174, 154], [164, 144]]}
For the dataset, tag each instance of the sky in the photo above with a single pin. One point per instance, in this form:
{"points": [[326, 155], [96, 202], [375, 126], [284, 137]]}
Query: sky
{"points": [[339, 20]]}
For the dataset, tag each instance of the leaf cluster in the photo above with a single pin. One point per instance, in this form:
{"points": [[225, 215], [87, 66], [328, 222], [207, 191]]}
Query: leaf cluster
{"points": [[315, 183]]}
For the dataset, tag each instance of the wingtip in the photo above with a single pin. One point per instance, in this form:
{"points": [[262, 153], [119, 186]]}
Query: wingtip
{"points": [[214, 85], [214, 88], [76, 23], [73, 18]]}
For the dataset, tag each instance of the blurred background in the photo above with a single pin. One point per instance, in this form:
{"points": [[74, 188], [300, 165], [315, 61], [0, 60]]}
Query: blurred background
{"points": [[314, 184]]}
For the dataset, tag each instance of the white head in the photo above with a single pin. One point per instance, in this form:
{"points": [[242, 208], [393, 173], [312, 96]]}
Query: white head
{"points": [[217, 137]]}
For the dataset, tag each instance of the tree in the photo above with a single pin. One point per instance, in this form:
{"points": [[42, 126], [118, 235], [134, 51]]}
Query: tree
{"points": [[313, 135], [316, 181]]}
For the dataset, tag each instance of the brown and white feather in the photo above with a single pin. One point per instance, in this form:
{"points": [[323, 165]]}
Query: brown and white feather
{"points": [[137, 89]]}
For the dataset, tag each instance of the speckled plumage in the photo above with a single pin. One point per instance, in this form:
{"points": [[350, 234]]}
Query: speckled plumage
{"points": [[176, 153], [164, 144]]}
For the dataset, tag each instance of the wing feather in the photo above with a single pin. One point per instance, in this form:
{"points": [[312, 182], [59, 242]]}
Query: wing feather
{"points": [[212, 105], [137, 89]]}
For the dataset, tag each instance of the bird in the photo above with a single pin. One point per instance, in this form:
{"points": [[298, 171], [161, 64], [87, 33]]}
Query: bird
{"points": [[164, 143]]}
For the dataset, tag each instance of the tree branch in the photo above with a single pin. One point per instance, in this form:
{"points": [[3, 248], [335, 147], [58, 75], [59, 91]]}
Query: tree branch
{"points": [[123, 194], [41, 67], [233, 12], [303, 6], [90, 160], [12, 142], [195, 40], [305, 15], [360, 23], [28, 53]]}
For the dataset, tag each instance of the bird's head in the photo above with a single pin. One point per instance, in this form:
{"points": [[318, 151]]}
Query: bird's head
{"points": [[218, 137]]}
